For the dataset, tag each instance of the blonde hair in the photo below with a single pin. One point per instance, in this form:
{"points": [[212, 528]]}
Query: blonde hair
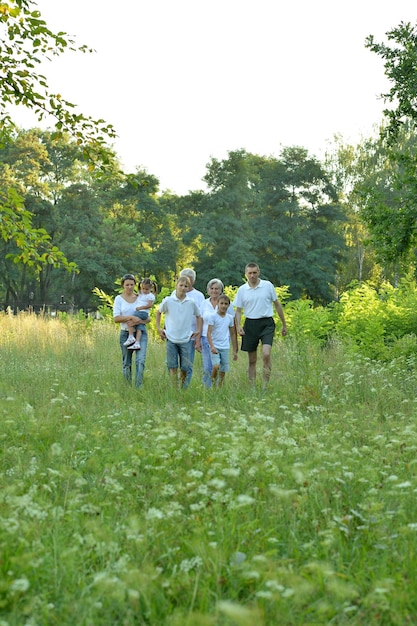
{"points": [[183, 279]]}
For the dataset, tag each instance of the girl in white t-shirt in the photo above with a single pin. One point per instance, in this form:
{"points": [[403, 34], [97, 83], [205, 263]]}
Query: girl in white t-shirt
{"points": [[144, 302]]}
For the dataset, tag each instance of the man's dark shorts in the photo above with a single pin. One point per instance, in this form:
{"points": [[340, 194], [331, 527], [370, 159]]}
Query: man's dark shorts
{"points": [[262, 329]]}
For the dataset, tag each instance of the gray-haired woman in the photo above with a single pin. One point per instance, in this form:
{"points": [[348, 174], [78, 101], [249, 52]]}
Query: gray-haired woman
{"points": [[215, 288]]}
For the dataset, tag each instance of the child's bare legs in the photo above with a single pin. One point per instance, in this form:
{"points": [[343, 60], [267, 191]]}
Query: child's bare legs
{"points": [[214, 373], [217, 376], [131, 330], [135, 345]]}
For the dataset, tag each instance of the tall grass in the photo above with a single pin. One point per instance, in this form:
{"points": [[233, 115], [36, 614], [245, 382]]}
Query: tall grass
{"points": [[290, 506]]}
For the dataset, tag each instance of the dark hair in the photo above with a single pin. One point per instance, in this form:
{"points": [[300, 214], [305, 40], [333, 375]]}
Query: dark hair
{"points": [[151, 283], [128, 277], [223, 296]]}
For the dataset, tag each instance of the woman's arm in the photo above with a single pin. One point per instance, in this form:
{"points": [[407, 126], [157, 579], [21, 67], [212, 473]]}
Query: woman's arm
{"points": [[125, 319]]}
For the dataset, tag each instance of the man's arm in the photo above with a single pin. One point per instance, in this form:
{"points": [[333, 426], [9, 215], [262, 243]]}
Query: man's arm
{"points": [[280, 312], [233, 337], [238, 317]]}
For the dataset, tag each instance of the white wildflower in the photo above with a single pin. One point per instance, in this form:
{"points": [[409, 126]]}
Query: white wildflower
{"points": [[154, 514], [195, 473], [244, 500], [20, 584], [189, 564], [217, 483], [198, 506], [28, 408], [287, 593], [273, 584], [264, 594], [237, 558], [251, 575], [231, 471]]}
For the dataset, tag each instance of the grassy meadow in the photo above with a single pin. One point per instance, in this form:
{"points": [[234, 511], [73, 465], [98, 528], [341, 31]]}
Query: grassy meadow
{"points": [[291, 506]]}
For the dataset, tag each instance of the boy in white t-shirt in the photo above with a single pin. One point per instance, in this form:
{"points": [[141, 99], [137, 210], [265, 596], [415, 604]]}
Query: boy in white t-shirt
{"points": [[219, 333], [179, 311]]}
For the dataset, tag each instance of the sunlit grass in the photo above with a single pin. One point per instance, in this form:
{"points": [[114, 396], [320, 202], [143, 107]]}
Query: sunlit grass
{"points": [[290, 506]]}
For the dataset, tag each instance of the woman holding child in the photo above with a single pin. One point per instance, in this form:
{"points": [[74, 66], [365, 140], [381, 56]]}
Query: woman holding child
{"points": [[215, 288], [125, 314]]}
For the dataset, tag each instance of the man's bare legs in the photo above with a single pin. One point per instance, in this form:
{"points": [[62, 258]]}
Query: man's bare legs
{"points": [[252, 356], [183, 376], [173, 372], [266, 363]]}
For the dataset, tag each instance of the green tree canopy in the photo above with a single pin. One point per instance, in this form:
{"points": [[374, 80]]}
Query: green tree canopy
{"points": [[391, 207], [26, 42]]}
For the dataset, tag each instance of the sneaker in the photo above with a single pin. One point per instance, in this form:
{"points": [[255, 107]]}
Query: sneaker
{"points": [[134, 346], [129, 341]]}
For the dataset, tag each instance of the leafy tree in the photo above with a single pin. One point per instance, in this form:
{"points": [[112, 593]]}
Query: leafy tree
{"points": [[391, 211], [156, 254], [387, 195], [25, 42], [400, 62], [297, 229], [281, 213], [183, 213], [347, 166], [69, 200], [25, 246], [223, 223]]}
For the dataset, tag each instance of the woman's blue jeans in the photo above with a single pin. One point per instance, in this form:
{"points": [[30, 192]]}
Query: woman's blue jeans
{"points": [[207, 364], [140, 358]]}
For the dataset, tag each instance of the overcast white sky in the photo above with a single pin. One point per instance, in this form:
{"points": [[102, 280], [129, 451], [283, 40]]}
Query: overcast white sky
{"points": [[186, 80]]}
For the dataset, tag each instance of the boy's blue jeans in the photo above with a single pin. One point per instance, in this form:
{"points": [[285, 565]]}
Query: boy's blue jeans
{"points": [[207, 364]]}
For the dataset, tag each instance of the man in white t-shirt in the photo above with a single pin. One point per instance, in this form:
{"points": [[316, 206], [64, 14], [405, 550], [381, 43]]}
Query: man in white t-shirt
{"points": [[258, 299]]}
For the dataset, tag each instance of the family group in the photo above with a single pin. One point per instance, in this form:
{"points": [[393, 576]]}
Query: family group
{"points": [[189, 322]]}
